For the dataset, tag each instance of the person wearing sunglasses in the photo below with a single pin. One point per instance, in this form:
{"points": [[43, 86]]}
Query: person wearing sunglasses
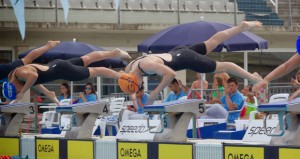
{"points": [[89, 94]]}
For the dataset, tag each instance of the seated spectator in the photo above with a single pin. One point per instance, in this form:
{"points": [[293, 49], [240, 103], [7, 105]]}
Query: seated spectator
{"points": [[89, 94], [218, 86], [249, 106], [232, 100], [141, 100], [224, 76], [296, 82], [65, 92], [197, 84], [178, 90], [136, 111], [246, 90]]}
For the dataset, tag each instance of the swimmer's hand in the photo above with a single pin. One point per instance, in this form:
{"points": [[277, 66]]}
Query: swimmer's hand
{"points": [[262, 84]]}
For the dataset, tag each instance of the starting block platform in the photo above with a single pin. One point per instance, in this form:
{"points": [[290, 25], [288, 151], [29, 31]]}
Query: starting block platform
{"points": [[12, 115], [283, 109], [174, 118], [289, 122], [82, 118]]}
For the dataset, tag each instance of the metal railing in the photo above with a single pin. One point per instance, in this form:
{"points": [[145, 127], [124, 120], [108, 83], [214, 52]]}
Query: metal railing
{"points": [[281, 89], [271, 91]]}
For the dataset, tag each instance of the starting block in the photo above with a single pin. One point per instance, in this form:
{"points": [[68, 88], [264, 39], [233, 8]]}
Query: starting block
{"points": [[175, 117], [12, 115], [284, 109], [82, 118]]}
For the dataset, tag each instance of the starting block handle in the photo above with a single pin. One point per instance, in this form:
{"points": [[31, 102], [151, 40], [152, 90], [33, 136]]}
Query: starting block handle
{"points": [[161, 118], [66, 127], [281, 125]]}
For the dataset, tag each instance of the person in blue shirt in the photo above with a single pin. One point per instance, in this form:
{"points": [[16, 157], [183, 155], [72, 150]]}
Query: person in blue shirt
{"points": [[141, 98], [178, 90], [231, 100], [136, 111], [65, 91], [89, 94]]}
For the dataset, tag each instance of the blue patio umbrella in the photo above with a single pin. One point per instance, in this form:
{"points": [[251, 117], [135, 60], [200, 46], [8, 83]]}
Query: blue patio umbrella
{"points": [[67, 50], [200, 31]]}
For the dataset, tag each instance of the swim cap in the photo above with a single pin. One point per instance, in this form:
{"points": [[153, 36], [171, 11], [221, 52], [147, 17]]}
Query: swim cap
{"points": [[128, 83], [298, 44], [9, 91]]}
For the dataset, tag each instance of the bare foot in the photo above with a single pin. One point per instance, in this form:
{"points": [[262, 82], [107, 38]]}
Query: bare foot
{"points": [[122, 54], [247, 25], [53, 43]]}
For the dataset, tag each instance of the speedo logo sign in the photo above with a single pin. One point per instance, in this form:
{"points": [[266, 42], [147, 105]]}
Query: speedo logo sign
{"points": [[133, 129], [261, 130]]}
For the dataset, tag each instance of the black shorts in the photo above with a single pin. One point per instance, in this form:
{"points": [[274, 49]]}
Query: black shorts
{"points": [[5, 69], [191, 57], [71, 70]]}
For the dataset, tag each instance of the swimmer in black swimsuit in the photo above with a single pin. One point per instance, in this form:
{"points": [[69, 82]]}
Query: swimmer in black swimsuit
{"points": [[75, 69], [5, 69], [190, 57]]}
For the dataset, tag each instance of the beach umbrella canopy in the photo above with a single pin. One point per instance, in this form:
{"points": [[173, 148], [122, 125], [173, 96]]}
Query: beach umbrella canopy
{"points": [[67, 50], [200, 31]]}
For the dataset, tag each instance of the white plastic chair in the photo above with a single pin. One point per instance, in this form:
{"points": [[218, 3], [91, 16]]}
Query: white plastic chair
{"points": [[278, 97], [50, 118], [273, 98], [64, 102], [116, 106]]}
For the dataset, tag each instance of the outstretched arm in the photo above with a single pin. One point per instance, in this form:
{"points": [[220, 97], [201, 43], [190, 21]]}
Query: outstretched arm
{"points": [[30, 77], [280, 71], [48, 93], [294, 95], [154, 68]]}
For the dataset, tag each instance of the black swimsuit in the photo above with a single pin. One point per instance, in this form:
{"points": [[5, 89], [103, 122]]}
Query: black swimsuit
{"points": [[71, 70], [188, 57]]}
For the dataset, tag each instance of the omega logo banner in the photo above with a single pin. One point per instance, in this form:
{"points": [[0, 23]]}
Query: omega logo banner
{"points": [[132, 150], [137, 130], [256, 131], [234, 152]]}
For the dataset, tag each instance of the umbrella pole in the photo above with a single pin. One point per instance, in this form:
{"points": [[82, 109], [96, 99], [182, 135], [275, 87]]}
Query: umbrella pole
{"points": [[99, 88], [72, 89], [245, 66]]}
